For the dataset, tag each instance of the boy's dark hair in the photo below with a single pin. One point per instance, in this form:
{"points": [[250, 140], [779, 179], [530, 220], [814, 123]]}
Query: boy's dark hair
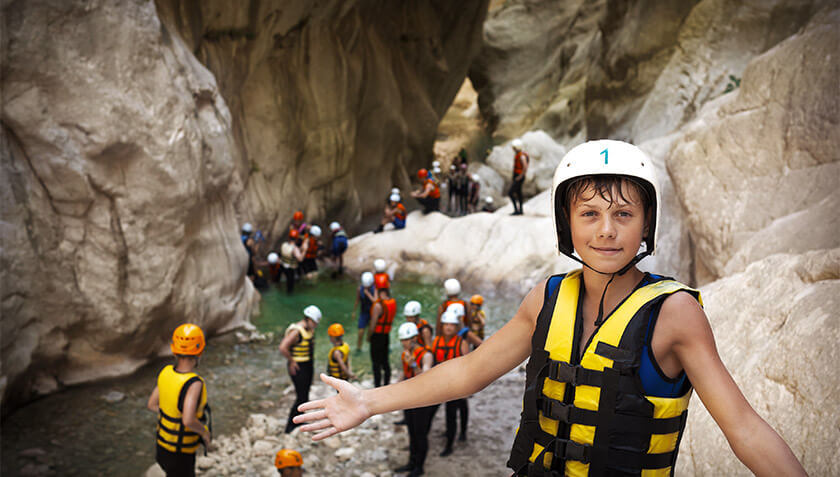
{"points": [[605, 185]]}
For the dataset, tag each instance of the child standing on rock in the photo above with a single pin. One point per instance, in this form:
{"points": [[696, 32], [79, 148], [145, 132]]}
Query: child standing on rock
{"points": [[615, 353]]}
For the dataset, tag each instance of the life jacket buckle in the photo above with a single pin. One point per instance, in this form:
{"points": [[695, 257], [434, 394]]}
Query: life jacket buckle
{"points": [[564, 372], [556, 410], [571, 450]]}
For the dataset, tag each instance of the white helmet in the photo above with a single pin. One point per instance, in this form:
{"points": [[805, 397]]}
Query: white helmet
{"points": [[488, 199], [247, 228], [435, 164], [453, 167], [334, 226], [603, 157], [456, 309], [367, 279], [517, 144], [315, 230], [395, 190], [394, 198], [452, 287], [272, 258], [436, 170], [312, 312], [407, 331], [379, 265], [449, 317], [412, 308], [475, 178]]}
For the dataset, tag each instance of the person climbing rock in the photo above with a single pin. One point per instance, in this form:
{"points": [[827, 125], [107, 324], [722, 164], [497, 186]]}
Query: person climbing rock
{"points": [[298, 347], [477, 318], [452, 287], [339, 246], [309, 265], [614, 353], [429, 194], [365, 296], [394, 214], [446, 346], [411, 312], [291, 254], [338, 359], [520, 169], [289, 463], [416, 359], [382, 315], [180, 401]]}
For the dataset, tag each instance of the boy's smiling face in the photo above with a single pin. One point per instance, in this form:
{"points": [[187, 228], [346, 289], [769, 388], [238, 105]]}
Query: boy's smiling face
{"points": [[607, 233]]}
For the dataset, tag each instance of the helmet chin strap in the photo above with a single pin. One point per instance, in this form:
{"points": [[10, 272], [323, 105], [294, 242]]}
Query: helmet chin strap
{"points": [[599, 320]]}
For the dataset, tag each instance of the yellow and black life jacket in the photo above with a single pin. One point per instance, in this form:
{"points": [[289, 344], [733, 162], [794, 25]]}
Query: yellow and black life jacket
{"points": [[172, 435], [303, 350], [333, 369], [588, 415]]}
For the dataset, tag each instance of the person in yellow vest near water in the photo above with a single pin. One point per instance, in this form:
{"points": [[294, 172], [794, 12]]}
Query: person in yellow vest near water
{"points": [[477, 318], [298, 347], [615, 353], [382, 315], [289, 463], [180, 400], [338, 359]]}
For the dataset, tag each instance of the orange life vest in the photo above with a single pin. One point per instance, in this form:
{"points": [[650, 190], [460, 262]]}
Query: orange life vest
{"points": [[518, 162], [464, 320], [389, 311], [400, 213], [422, 323], [435, 193], [312, 251], [445, 350], [416, 357]]}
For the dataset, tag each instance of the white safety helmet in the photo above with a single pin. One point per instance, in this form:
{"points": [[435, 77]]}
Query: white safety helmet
{"points": [[435, 164], [367, 279], [436, 170], [456, 309], [517, 144], [488, 199], [272, 258], [452, 287], [475, 178], [395, 190], [247, 228], [453, 167], [412, 308], [449, 318], [407, 331], [315, 230], [394, 198], [379, 265], [334, 226], [312, 312], [604, 157]]}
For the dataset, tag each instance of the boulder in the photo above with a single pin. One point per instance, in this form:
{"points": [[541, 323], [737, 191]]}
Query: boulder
{"points": [[777, 327]]}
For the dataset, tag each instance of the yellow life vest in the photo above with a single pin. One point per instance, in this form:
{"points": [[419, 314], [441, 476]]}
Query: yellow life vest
{"points": [[302, 351], [333, 369], [172, 435], [590, 416]]}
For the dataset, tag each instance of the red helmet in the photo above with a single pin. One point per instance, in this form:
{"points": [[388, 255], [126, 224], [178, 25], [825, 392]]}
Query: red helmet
{"points": [[381, 281], [422, 174], [297, 216], [293, 234]]}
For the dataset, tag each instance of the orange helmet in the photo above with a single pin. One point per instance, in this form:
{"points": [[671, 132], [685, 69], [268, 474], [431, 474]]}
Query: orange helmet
{"points": [[477, 299], [297, 216], [422, 174], [381, 280], [287, 458], [335, 329], [188, 339], [293, 234]]}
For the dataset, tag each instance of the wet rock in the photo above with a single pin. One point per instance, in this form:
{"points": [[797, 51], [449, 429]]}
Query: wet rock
{"points": [[203, 462], [345, 453], [262, 448], [113, 396]]}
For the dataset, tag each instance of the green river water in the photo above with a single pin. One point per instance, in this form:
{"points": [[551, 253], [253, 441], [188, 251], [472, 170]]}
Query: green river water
{"points": [[83, 435]]}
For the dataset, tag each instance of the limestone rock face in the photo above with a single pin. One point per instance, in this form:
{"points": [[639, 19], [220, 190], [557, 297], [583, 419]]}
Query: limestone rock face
{"points": [[757, 171], [117, 185], [777, 327], [333, 102]]}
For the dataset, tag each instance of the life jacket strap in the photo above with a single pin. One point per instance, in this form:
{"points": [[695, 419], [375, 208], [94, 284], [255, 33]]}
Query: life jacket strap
{"points": [[577, 375], [569, 414]]}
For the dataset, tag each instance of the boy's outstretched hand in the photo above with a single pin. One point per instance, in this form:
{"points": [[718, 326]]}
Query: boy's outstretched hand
{"points": [[336, 413]]}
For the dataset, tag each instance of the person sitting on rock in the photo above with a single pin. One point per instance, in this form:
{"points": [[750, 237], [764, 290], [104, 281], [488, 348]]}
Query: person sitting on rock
{"points": [[339, 246], [382, 315], [338, 359], [429, 194], [488, 205], [614, 353], [289, 463], [394, 214], [411, 312], [292, 252], [452, 287], [309, 266], [298, 347], [520, 168], [445, 347], [365, 296], [416, 359], [473, 193], [180, 401]]}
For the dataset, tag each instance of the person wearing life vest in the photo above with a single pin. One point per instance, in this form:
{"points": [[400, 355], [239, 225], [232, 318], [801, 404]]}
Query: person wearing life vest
{"points": [[291, 254], [394, 214], [452, 287], [250, 245], [464, 332], [382, 315], [338, 359], [381, 279], [477, 318], [339, 246], [416, 359], [365, 296], [429, 194], [614, 352], [289, 463], [446, 346], [520, 169], [298, 224], [180, 401], [309, 265], [411, 312], [298, 347]]}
